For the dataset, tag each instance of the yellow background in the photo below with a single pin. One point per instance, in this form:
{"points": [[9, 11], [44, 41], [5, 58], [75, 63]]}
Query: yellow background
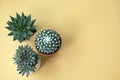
{"points": [[90, 31]]}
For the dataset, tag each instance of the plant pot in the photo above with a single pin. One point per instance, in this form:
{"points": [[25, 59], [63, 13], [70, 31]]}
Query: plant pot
{"points": [[37, 66]]}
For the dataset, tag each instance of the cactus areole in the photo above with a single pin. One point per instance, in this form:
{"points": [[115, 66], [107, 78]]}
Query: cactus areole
{"points": [[47, 42]]}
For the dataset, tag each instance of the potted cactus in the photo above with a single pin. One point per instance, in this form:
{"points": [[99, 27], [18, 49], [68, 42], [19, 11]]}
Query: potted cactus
{"points": [[26, 60], [47, 42], [21, 27]]}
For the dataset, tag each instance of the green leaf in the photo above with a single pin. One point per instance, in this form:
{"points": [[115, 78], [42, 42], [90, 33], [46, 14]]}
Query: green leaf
{"points": [[24, 34], [27, 73], [21, 39], [31, 22], [27, 27], [10, 23], [14, 38], [20, 71], [17, 16], [27, 38], [28, 18], [34, 30], [30, 33], [11, 34], [23, 73], [10, 28], [23, 16], [12, 18], [15, 22]]}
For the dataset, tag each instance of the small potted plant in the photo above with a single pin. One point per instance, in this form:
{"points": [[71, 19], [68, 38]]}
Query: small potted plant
{"points": [[26, 60], [21, 27], [47, 42]]}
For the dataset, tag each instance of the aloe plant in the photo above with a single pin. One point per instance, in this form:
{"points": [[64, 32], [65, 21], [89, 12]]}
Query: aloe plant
{"points": [[21, 27]]}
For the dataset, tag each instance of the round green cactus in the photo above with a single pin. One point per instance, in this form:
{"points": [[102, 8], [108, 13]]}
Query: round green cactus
{"points": [[21, 27], [47, 41], [26, 60]]}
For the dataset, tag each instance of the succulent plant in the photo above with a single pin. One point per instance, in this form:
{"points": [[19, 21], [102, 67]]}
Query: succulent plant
{"points": [[21, 27], [47, 41], [26, 60]]}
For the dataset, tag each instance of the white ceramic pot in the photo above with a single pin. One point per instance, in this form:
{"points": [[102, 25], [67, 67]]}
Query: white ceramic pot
{"points": [[37, 66]]}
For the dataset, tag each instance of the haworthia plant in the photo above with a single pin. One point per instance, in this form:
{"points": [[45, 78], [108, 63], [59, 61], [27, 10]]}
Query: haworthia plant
{"points": [[26, 60], [21, 27]]}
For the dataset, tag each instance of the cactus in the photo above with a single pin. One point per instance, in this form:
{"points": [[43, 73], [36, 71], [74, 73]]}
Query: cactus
{"points": [[47, 41]]}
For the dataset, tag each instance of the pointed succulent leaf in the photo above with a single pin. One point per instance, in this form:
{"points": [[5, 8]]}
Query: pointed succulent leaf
{"points": [[30, 32], [31, 22], [28, 27], [9, 23], [23, 16], [11, 34], [28, 18], [12, 18], [21, 39], [10, 28], [18, 16], [24, 35]]}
